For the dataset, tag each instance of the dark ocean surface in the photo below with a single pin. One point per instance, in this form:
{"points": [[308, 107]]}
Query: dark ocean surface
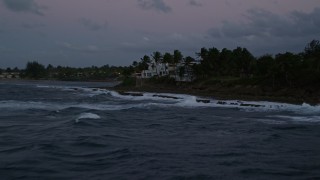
{"points": [[64, 130]]}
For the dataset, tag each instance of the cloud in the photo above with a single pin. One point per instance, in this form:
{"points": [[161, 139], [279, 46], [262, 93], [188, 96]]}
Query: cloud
{"points": [[82, 49], [146, 39], [158, 5], [91, 25], [266, 32], [262, 23], [195, 3], [26, 6]]}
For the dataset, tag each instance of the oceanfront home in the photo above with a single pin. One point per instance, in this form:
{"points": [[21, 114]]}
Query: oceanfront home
{"points": [[155, 70], [10, 75], [181, 72]]}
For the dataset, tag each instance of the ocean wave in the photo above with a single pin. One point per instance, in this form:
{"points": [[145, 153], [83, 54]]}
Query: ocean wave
{"points": [[311, 119], [87, 116], [183, 100], [117, 101]]}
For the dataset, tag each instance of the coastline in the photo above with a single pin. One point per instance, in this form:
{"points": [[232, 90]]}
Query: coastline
{"points": [[218, 92], [290, 96]]}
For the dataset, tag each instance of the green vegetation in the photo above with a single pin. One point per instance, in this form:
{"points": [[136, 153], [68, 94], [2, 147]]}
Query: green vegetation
{"points": [[240, 67], [128, 82], [35, 70]]}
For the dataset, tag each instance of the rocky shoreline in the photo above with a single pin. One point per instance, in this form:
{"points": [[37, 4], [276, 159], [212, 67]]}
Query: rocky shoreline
{"points": [[245, 93]]}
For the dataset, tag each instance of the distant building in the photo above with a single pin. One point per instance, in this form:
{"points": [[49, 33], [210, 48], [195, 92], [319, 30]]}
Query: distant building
{"points": [[181, 72], [10, 75], [155, 70]]}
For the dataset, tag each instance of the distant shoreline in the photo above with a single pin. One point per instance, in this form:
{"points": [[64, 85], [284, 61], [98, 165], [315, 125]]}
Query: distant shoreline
{"points": [[53, 80]]}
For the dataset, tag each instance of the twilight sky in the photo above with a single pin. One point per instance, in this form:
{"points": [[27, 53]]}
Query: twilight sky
{"points": [[82, 33]]}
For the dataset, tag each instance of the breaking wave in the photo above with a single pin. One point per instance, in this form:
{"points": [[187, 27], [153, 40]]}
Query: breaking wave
{"points": [[87, 116], [112, 100]]}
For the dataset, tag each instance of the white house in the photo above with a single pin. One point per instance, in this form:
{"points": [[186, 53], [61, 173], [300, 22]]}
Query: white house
{"points": [[155, 69], [181, 72], [11, 75]]}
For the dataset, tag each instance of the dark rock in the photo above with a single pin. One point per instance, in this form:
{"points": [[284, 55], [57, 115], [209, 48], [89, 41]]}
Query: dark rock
{"points": [[164, 96], [252, 105], [203, 100], [221, 102], [130, 94]]}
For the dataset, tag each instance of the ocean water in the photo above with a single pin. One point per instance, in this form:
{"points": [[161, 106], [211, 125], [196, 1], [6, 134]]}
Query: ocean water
{"points": [[64, 130]]}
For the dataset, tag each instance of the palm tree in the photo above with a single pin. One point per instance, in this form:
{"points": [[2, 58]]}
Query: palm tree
{"points": [[177, 56], [157, 56]]}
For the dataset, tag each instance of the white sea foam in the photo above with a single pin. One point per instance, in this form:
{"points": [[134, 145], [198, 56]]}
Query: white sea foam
{"points": [[311, 119], [58, 107], [183, 100], [87, 116], [156, 100], [145, 96], [271, 121]]}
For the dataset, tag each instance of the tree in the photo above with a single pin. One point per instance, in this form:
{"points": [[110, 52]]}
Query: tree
{"points": [[203, 54], [146, 59], [168, 58], [265, 65], [135, 64], [312, 49], [244, 61], [227, 65], [312, 57], [157, 56], [288, 66], [209, 62], [50, 67], [188, 60], [8, 70], [177, 56], [127, 71], [35, 70], [144, 63]]}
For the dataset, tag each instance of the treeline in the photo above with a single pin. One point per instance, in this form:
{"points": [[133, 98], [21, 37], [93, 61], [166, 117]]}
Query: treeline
{"points": [[293, 70], [158, 57], [280, 70], [284, 69], [35, 70]]}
